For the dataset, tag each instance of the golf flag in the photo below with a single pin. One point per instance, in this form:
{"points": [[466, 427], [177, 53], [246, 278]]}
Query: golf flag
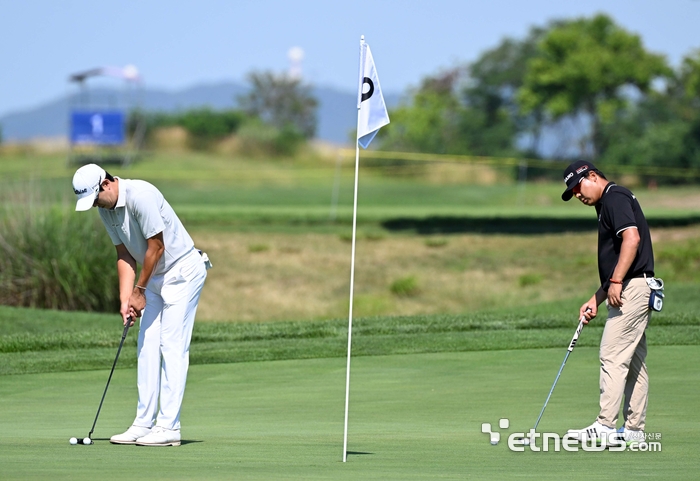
{"points": [[372, 114]]}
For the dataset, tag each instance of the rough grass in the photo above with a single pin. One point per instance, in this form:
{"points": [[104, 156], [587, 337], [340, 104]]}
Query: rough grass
{"points": [[48, 341], [307, 276]]}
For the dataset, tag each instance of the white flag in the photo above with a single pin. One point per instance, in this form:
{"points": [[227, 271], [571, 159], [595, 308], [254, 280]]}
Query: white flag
{"points": [[372, 113]]}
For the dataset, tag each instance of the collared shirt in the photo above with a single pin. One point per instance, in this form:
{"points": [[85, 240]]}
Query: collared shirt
{"points": [[619, 210], [142, 212]]}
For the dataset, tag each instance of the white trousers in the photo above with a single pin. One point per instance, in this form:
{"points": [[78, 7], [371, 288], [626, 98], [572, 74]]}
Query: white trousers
{"points": [[165, 331]]}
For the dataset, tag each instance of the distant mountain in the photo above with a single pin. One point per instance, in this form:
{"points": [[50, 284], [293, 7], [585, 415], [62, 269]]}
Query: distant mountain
{"points": [[337, 112]]}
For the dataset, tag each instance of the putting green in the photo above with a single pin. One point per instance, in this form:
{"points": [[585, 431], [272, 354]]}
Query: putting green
{"points": [[412, 416]]}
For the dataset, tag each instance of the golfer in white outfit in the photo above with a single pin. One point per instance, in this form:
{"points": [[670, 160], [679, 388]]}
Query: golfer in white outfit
{"points": [[145, 229]]}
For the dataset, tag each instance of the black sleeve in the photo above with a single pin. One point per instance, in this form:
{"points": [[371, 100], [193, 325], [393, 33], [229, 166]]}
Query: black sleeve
{"points": [[618, 209]]}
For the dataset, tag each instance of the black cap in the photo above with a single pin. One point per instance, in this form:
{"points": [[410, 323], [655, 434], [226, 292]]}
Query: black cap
{"points": [[573, 175]]}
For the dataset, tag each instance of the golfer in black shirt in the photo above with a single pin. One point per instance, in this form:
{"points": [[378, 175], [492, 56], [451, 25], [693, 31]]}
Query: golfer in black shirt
{"points": [[625, 260]]}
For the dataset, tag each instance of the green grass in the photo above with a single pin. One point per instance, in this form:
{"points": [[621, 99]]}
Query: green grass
{"points": [[218, 192], [414, 416], [421, 385], [53, 341]]}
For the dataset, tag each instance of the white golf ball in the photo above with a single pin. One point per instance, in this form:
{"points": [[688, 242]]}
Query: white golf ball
{"points": [[73, 441], [87, 441], [494, 443], [526, 441]]}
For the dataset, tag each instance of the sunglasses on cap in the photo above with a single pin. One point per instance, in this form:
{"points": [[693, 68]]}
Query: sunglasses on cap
{"points": [[577, 188]]}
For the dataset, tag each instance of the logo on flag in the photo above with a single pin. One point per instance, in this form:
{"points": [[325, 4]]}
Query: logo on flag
{"points": [[372, 110]]}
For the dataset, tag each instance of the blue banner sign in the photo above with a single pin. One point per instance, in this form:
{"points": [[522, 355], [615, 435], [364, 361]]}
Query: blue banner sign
{"points": [[102, 127]]}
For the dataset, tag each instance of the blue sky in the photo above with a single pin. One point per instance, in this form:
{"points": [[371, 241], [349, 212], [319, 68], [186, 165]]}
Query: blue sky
{"points": [[177, 44]]}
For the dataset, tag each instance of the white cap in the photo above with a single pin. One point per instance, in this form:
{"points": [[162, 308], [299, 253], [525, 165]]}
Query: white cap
{"points": [[86, 185]]}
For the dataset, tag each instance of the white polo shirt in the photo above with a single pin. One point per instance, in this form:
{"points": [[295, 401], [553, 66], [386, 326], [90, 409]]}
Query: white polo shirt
{"points": [[142, 212]]}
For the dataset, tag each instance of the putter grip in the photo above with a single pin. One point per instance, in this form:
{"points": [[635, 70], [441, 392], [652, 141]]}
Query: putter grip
{"points": [[572, 344], [126, 327]]}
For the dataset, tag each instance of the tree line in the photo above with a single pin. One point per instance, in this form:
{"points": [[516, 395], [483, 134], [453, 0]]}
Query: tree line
{"points": [[627, 105], [278, 115], [633, 107]]}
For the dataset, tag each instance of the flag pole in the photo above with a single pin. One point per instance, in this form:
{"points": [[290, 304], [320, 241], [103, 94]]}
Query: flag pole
{"points": [[352, 261]]}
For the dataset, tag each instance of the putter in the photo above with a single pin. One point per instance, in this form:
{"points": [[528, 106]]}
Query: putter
{"points": [[88, 439], [572, 344]]}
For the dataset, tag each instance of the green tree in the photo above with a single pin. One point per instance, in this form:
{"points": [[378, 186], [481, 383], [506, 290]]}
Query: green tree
{"points": [[663, 129], [470, 109], [430, 122], [689, 77], [583, 66], [441, 118], [204, 125], [496, 76], [284, 102]]}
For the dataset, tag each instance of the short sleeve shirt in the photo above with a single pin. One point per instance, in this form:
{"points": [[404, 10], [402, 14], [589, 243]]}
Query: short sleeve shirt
{"points": [[142, 212], [618, 210]]}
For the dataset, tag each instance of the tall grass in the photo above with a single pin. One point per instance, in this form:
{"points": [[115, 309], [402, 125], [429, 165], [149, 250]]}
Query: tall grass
{"points": [[54, 257]]}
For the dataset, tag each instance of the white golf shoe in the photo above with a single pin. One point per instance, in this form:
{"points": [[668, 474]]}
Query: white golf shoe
{"points": [[595, 431], [130, 435], [160, 437]]}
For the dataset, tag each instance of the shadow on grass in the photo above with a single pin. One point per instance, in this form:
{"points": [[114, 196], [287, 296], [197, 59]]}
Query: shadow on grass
{"points": [[183, 442], [514, 225]]}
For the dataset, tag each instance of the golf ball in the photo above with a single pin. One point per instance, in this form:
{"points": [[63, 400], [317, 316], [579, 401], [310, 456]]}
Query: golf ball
{"points": [[494, 443], [73, 441], [87, 441], [526, 441]]}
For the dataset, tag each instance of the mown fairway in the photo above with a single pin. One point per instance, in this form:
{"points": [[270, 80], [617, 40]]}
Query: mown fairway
{"points": [[412, 417], [415, 415]]}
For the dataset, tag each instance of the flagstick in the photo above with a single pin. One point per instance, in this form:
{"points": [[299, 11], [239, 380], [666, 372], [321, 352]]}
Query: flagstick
{"points": [[352, 262], [352, 287]]}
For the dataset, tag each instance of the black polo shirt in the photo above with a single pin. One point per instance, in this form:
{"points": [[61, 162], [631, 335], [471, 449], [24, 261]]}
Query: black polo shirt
{"points": [[618, 210]]}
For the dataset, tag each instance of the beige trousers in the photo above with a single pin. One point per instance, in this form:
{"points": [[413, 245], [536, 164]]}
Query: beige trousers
{"points": [[623, 350]]}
